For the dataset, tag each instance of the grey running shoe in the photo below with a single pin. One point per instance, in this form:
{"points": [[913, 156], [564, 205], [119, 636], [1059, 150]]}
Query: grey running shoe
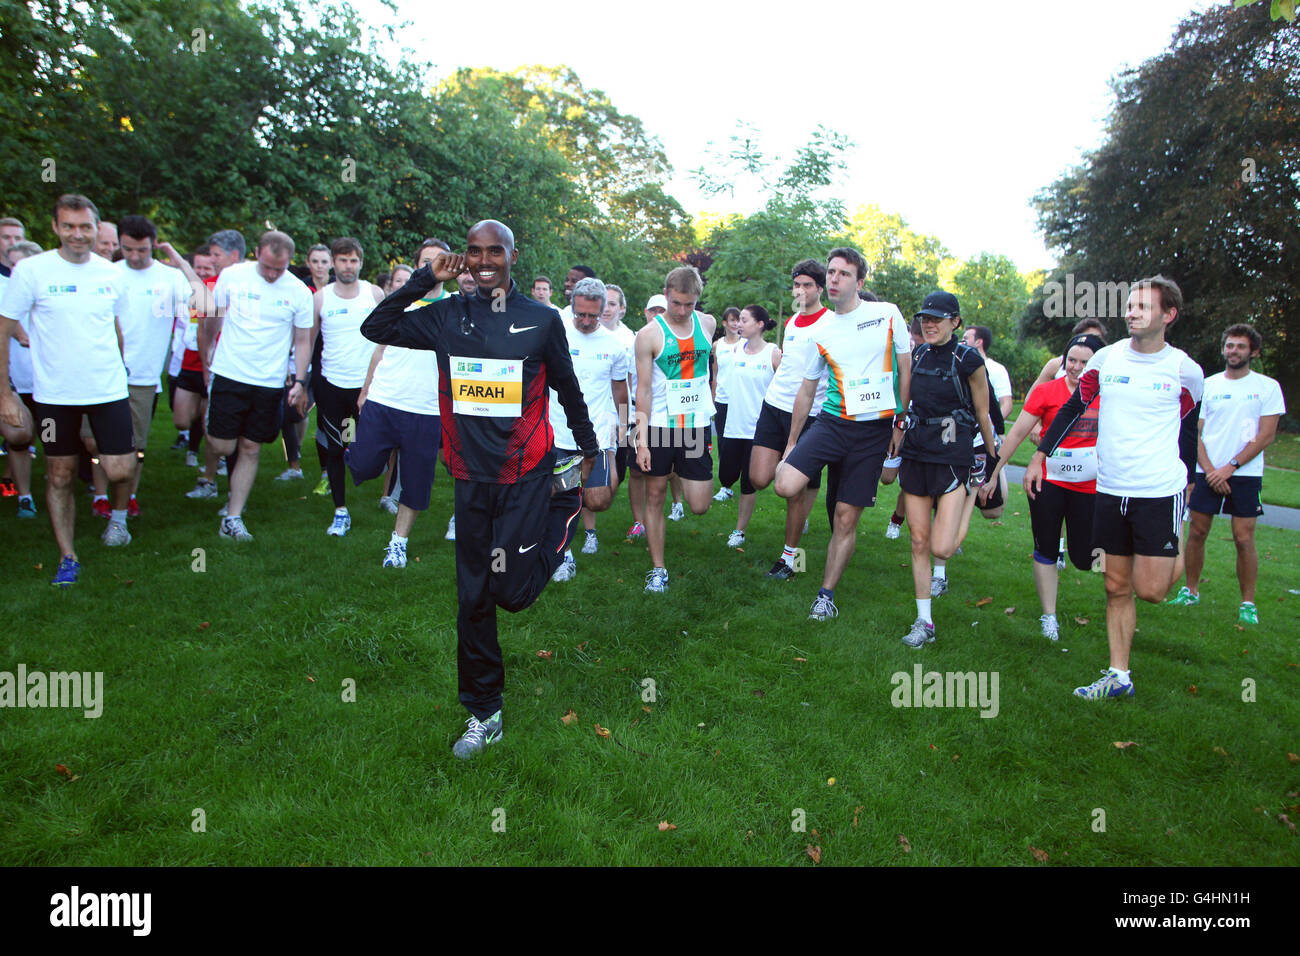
{"points": [[736, 539], [290, 474], [451, 529], [677, 513], [567, 569], [892, 531], [823, 609], [221, 468], [1051, 629], [724, 494], [590, 545], [478, 735], [656, 582], [233, 528], [116, 535], [780, 572], [920, 634], [388, 504], [204, 489], [938, 587], [395, 556]]}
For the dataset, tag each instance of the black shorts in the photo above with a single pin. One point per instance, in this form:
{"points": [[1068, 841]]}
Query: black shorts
{"points": [[382, 430], [773, 431], [683, 450], [1241, 501], [1053, 506], [858, 447], [1146, 526], [928, 479], [191, 381], [110, 423], [240, 410]]}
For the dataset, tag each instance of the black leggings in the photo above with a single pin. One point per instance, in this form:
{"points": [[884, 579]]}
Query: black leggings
{"points": [[336, 418], [733, 463], [1053, 505]]}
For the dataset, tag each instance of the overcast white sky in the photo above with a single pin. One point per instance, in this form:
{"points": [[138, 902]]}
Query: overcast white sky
{"points": [[960, 111]]}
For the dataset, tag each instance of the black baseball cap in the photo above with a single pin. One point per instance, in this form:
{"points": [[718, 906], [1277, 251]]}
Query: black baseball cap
{"points": [[940, 305]]}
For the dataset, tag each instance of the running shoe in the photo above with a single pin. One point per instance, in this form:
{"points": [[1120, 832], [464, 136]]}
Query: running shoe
{"points": [[1247, 614], [67, 573], [26, 508], [636, 531], [389, 504], [1184, 598], [204, 489], [736, 539], [225, 508], [1051, 628], [724, 494], [478, 735], [567, 474], [567, 569], [116, 535], [180, 442], [823, 609], [340, 525], [222, 471], [1107, 686], [892, 531], [192, 460], [938, 587], [922, 633], [322, 486], [133, 508], [290, 474], [677, 513], [780, 572], [451, 529], [590, 545], [233, 528], [395, 556], [656, 582], [101, 508]]}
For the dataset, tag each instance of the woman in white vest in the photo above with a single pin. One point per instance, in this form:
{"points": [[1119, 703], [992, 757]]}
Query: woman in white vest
{"points": [[724, 348], [753, 362]]}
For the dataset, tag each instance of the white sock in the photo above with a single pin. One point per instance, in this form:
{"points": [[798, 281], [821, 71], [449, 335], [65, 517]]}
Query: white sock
{"points": [[568, 554], [397, 539], [340, 511], [923, 610], [787, 555], [118, 516], [941, 571], [1123, 676], [99, 497]]}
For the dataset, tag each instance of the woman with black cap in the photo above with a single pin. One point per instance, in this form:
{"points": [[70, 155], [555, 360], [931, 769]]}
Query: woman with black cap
{"points": [[1064, 489]]}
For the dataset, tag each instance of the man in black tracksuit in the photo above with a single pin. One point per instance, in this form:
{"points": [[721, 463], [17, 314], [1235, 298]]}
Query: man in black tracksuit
{"points": [[498, 352]]}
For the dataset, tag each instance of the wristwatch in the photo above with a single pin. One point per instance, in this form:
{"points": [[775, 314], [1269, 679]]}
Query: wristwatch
{"points": [[299, 381], [1234, 463]]}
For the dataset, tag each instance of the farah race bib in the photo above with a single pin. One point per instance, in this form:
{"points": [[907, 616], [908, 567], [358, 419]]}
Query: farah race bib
{"points": [[869, 395], [1072, 465], [487, 387]]}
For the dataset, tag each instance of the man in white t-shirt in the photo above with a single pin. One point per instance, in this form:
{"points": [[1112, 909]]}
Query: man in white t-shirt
{"points": [[18, 471], [262, 310], [399, 415], [601, 364], [1239, 416], [1145, 387], [69, 299]]}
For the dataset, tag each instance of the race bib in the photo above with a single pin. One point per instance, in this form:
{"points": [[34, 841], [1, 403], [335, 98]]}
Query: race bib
{"points": [[1072, 465], [689, 396], [869, 395], [487, 387]]}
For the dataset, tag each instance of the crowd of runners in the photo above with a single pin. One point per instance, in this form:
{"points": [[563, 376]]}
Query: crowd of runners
{"points": [[539, 414]]}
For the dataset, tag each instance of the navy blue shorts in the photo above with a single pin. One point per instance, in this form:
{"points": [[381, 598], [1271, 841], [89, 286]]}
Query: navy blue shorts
{"points": [[382, 430], [1241, 501]]}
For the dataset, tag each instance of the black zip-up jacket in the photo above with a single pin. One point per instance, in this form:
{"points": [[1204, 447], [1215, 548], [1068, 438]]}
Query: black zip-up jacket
{"points": [[494, 368]]}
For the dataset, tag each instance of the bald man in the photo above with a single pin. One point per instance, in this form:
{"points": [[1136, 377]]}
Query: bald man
{"points": [[499, 350]]}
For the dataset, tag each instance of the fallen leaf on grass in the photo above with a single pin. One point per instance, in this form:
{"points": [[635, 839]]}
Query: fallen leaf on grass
{"points": [[956, 757], [904, 843], [665, 826], [66, 772], [802, 660], [204, 625], [1283, 818], [1009, 611], [1220, 751], [1293, 758], [311, 679], [1238, 627], [933, 747], [601, 731], [815, 852], [545, 655], [1081, 620], [759, 693], [830, 781], [40, 567], [1039, 855], [648, 710], [1125, 744], [984, 601], [582, 645], [569, 717], [1193, 690], [856, 811]]}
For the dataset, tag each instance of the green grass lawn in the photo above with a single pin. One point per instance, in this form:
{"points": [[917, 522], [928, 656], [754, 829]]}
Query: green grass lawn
{"points": [[224, 693], [1281, 466]]}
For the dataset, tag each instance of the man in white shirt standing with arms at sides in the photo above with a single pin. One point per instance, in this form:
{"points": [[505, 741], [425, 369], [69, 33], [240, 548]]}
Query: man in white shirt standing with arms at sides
{"points": [[1239, 416], [69, 299], [1145, 387], [262, 309]]}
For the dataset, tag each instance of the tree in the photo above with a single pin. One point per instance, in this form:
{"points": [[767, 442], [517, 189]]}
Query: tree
{"points": [[884, 238], [1198, 179]]}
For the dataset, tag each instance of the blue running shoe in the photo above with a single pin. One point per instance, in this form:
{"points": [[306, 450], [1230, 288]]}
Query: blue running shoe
{"points": [[68, 571], [1107, 686]]}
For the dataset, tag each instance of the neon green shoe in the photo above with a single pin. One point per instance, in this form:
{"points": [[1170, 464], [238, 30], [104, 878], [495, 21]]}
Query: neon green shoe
{"points": [[1184, 598], [1247, 614], [323, 486]]}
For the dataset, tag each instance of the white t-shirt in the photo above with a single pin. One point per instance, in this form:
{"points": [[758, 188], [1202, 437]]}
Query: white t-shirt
{"points": [[999, 378], [155, 296], [750, 377], [795, 350], [628, 338], [258, 328], [68, 310], [20, 356], [178, 345], [724, 354], [853, 351], [345, 352], [407, 379], [599, 359], [1231, 410], [1142, 400]]}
